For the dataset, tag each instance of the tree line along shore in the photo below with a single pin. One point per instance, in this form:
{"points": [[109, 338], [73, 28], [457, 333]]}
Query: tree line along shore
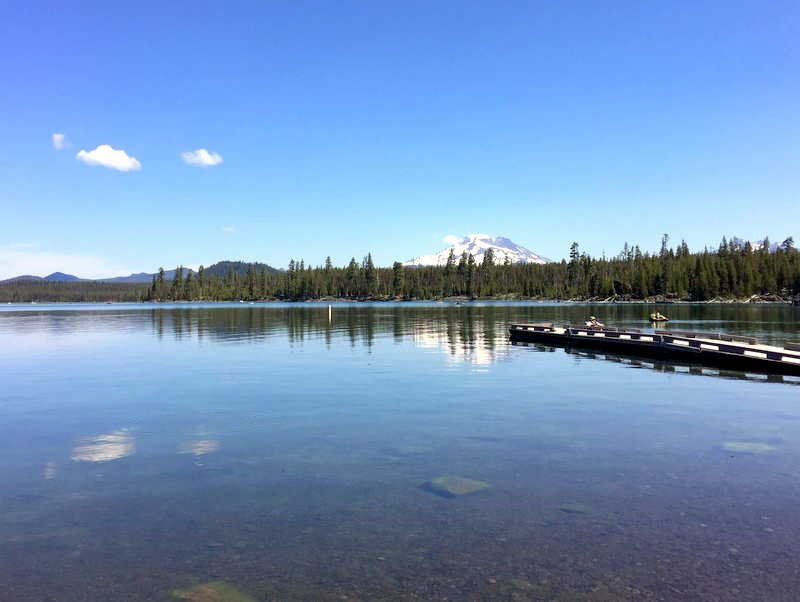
{"points": [[732, 272]]}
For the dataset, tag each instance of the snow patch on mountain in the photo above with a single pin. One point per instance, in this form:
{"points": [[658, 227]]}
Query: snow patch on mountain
{"points": [[477, 245], [738, 243]]}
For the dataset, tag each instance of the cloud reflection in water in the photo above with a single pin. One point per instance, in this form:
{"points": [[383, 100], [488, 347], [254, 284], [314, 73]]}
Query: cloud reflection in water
{"points": [[104, 448]]}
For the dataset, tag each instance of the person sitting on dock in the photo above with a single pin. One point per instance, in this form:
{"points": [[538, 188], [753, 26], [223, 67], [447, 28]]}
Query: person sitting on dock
{"points": [[593, 322]]}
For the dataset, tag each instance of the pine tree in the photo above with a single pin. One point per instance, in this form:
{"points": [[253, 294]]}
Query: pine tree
{"points": [[201, 281], [252, 282], [370, 278], [190, 288], [161, 285], [398, 279], [470, 276]]}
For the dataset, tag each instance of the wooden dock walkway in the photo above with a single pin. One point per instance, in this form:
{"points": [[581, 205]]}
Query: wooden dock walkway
{"points": [[720, 350]]}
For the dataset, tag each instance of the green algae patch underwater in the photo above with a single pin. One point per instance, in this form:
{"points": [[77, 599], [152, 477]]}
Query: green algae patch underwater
{"points": [[213, 591], [454, 486]]}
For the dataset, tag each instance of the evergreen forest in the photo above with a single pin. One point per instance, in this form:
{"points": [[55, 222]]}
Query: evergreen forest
{"points": [[733, 271]]}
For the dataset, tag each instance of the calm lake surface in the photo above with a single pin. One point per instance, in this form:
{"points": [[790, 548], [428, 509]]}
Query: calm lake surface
{"points": [[150, 448]]}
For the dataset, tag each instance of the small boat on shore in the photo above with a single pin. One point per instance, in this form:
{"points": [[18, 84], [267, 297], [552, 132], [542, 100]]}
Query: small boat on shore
{"points": [[730, 352]]}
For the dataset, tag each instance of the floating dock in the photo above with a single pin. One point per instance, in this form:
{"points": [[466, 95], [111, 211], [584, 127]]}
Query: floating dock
{"points": [[705, 348]]}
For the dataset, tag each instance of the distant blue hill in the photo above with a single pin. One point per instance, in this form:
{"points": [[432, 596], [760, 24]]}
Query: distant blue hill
{"points": [[220, 269], [25, 277], [54, 277], [140, 277], [62, 277]]}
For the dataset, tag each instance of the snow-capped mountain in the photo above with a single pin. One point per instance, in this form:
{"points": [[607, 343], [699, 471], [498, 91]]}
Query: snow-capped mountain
{"points": [[758, 245], [476, 245]]}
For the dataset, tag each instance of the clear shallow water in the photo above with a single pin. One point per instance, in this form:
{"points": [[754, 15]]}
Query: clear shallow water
{"points": [[147, 448]]}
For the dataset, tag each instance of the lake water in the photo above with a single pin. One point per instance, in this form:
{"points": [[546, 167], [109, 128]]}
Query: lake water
{"points": [[145, 449]]}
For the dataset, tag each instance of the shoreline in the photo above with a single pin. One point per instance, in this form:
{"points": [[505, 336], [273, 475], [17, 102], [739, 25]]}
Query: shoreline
{"points": [[754, 300]]}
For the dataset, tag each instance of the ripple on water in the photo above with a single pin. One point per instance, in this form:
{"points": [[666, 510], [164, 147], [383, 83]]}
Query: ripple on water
{"points": [[199, 422]]}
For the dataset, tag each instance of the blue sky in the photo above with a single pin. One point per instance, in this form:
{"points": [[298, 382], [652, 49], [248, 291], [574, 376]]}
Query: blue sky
{"points": [[341, 128]]}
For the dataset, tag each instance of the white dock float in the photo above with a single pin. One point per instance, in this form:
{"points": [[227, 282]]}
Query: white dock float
{"points": [[720, 350]]}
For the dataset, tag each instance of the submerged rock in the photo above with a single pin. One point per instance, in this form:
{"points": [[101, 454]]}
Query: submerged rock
{"points": [[454, 486], [574, 508], [213, 591]]}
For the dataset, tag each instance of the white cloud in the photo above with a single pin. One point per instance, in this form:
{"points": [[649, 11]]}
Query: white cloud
{"points": [[201, 158], [228, 229], [60, 141], [108, 157], [450, 239]]}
